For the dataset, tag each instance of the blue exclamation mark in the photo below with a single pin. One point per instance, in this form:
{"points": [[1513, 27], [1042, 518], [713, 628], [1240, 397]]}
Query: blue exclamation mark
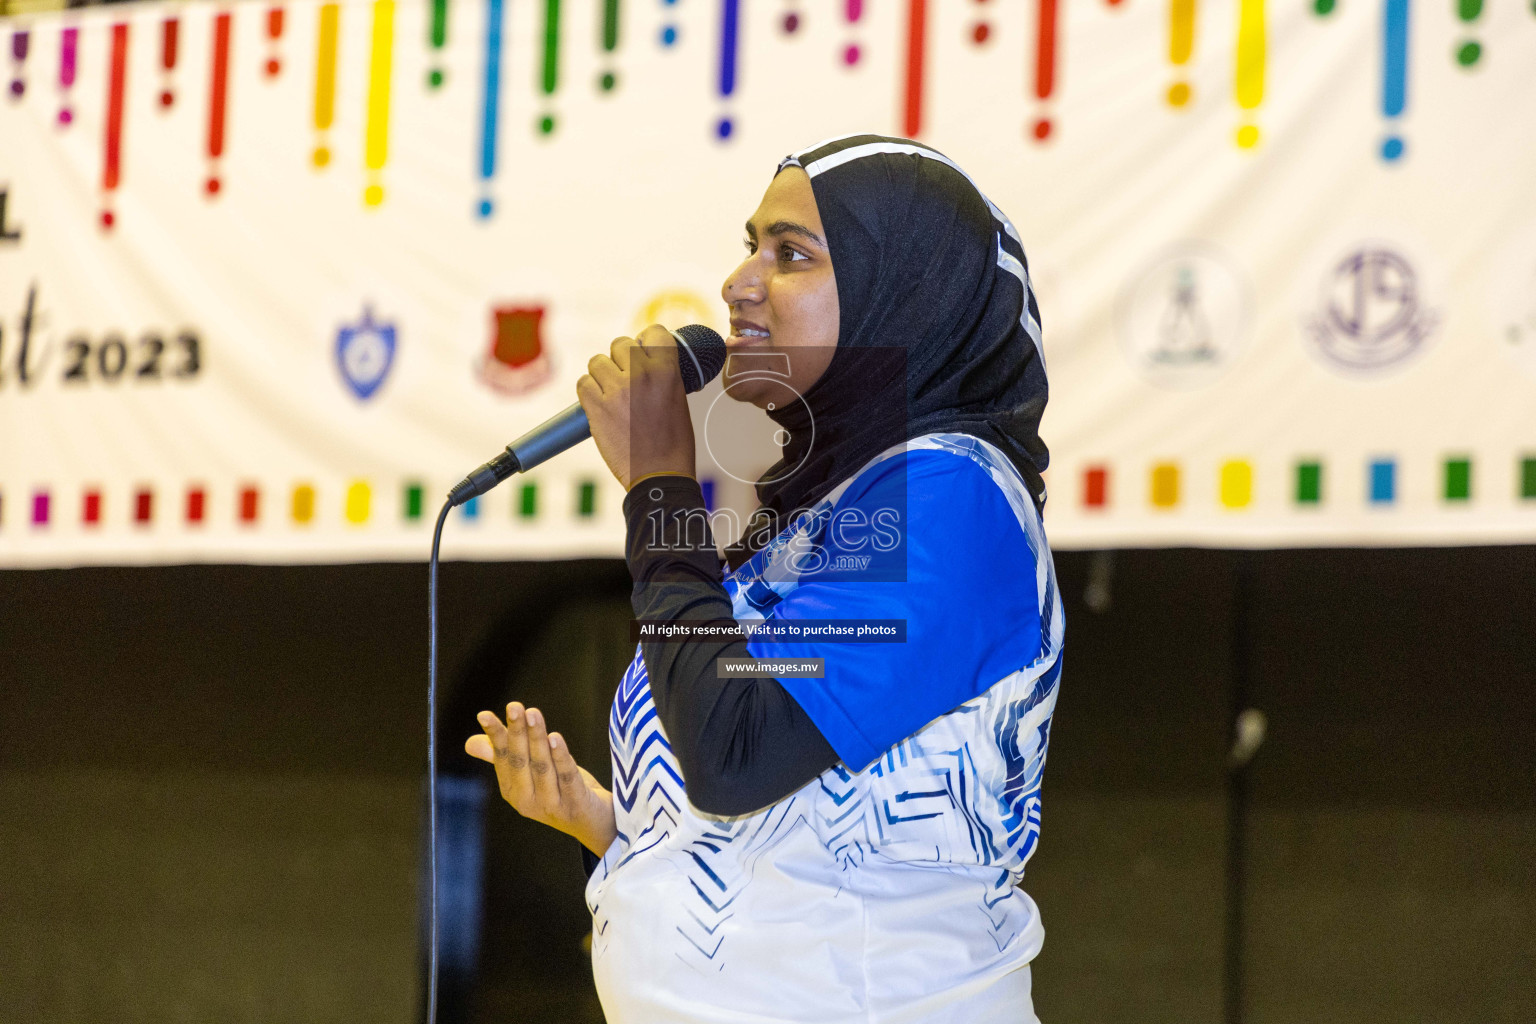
{"points": [[1394, 82]]}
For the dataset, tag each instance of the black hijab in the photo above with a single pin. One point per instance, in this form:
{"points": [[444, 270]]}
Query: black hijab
{"points": [[939, 330]]}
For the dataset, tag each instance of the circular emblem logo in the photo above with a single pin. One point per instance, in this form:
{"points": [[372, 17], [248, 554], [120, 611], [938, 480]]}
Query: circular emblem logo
{"points": [[1183, 320], [1372, 314]]}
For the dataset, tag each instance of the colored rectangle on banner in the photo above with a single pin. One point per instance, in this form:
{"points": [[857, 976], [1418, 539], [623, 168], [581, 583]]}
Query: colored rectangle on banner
{"points": [[1528, 477], [249, 504], [1309, 483], [359, 498], [1382, 481], [90, 508], [40, 508], [303, 504], [1236, 484], [1165, 485], [1458, 479], [196, 500], [1095, 487], [143, 505], [586, 499], [412, 501], [528, 501]]}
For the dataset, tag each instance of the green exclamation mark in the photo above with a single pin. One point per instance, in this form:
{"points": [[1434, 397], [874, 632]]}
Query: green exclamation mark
{"points": [[1469, 51]]}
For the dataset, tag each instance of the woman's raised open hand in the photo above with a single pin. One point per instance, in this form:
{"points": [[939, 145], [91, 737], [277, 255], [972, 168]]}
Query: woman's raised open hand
{"points": [[539, 778]]}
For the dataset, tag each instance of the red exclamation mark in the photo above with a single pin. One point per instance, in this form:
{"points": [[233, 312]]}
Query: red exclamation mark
{"points": [[219, 97], [917, 24], [274, 36], [168, 32], [112, 167], [1045, 64]]}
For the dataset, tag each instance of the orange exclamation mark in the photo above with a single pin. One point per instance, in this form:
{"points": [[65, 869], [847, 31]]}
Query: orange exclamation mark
{"points": [[1181, 46], [1045, 65], [111, 172], [274, 41], [218, 101], [1250, 66]]}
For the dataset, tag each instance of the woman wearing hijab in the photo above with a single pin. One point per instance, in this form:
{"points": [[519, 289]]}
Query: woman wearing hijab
{"points": [[844, 848]]}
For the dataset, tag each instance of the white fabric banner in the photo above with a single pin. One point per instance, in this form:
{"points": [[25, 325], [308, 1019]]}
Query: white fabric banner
{"points": [[274, 276]]}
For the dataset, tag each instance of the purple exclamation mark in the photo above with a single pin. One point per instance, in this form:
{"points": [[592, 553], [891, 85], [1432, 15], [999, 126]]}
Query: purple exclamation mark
{"points": [[69, 45], [18, 55], [729, 25]]}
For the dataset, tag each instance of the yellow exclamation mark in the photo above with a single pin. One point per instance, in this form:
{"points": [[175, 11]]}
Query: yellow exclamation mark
{"points": [[376, 139], [325, 83], [1250, 66], [1181, 45]]}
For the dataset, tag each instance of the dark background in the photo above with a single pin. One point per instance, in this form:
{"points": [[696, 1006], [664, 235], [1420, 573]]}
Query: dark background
{"points": [[211, 780]]}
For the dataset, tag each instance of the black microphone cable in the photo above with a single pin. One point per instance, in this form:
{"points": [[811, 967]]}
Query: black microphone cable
{"points": [[437, 539]]}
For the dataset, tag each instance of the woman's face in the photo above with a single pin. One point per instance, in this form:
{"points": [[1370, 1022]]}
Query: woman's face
{"points": [[783, 298]]}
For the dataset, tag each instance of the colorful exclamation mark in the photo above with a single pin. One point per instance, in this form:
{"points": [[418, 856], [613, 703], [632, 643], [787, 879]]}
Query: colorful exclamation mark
{"points": [[218, 101], [1181, 46], [69, 48], [169, 31], [1250, 66], [917, 28], [437, 38], [1394, 79], [325, 82], [791, 20], [19, 41], [1468, 52], [489, 104], [668, 34], [549, 72], [376, 133], [609, 39], [274, 38], [853, 11], [981, 31], [1045, 65], [730, 15], [112, 165]]}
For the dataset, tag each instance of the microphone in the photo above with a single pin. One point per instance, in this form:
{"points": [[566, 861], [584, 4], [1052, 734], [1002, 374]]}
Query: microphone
{"points": [[700, 357]]}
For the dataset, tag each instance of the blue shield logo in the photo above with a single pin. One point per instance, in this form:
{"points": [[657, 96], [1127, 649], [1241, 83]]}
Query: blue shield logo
{"points": [[365, 351]]}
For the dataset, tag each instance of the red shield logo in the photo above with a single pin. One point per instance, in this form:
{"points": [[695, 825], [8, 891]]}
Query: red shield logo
{"points": [[517, 360]]}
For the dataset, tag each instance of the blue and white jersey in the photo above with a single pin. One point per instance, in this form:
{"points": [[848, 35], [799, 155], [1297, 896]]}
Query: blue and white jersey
{"points": [[885, 890]]}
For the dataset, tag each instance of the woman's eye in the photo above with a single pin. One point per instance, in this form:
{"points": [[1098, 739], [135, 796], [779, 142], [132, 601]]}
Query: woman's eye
{"points": [[788, 255], [751, 245]]}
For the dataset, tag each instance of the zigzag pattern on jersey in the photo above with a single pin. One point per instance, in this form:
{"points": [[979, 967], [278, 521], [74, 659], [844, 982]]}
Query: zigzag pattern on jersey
{"points": [[650, 800], [647, 782]]}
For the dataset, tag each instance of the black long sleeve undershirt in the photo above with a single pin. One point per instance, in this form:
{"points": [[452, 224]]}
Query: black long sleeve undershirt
{"points": [[742, 743]]}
